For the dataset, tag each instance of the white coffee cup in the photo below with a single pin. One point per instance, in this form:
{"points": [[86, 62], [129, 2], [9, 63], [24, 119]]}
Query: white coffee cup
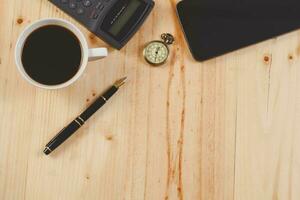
{"points": [[87, 54]]}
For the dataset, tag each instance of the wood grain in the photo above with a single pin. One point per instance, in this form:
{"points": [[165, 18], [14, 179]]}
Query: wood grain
{"points": [[225, 129]]}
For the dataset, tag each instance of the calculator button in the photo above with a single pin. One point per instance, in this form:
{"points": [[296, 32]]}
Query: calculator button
{"points": [[87, 3], [101, 7], [95, 16], [92, 13], [72, 5], [98, 5], [79, 11], [64, 1]]}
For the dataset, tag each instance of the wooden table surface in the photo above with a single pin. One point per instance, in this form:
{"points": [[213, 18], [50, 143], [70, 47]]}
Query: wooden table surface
{"points": [[227, 128]]}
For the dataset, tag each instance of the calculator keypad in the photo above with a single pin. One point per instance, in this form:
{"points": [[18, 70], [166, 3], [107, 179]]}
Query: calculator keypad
{"points": [[84, 9]]}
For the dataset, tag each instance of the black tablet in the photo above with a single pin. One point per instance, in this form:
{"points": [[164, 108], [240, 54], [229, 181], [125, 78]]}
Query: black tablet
{"points": [[213, 28]]}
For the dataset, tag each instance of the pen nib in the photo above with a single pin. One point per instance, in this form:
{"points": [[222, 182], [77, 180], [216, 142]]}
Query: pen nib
{"points": [[120, 82]]}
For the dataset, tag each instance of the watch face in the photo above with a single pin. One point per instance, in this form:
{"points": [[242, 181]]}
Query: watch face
{"points": [[156, 52]]}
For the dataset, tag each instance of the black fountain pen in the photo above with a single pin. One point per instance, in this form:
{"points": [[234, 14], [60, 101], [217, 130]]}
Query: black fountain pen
{"points": [[69, 130]]}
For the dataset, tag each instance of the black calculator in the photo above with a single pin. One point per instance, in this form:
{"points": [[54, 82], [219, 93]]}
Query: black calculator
{"points": [[114, 21]]}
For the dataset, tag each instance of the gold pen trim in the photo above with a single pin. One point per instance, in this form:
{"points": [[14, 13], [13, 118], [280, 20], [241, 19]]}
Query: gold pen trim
{"points": [[47, 148], [81, 120], [104, 98], [78, 122]]}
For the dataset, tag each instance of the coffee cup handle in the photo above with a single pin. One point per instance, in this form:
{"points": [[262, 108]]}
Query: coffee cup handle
{"points": [[97, 53]]}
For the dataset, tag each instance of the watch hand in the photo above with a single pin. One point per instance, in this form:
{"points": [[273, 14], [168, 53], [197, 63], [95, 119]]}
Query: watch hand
{"points": [[156, 53], [157, 49]]}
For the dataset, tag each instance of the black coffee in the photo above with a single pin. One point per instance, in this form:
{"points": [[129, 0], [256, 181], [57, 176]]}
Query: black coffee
{"points": [[51, 55]]}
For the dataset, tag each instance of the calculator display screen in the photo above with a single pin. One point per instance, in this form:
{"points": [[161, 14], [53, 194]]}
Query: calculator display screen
{"points": [[124, 17]]}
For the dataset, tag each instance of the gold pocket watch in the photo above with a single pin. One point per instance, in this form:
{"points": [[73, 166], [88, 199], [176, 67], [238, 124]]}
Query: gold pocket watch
{"points": [[157, 52]]}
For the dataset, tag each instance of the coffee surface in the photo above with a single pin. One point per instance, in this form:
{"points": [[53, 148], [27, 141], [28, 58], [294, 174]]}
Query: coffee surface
{"points": [[51, 55]]}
